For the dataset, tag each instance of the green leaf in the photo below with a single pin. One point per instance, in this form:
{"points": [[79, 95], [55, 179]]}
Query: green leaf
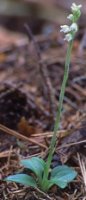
{"points": [[35, 164], [23, 179], [62, 175]]}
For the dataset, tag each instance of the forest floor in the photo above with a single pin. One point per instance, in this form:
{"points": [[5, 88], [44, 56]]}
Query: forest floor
{"points": [[31, 73]]}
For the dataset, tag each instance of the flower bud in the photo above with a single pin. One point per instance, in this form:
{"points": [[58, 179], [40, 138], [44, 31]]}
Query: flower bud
{"points": [[68, 37], [71, 17], [75, 8], [65, 29], [74, 27]]}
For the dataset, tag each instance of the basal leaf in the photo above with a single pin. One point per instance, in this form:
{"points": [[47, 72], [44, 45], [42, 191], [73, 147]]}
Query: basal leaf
{"points": [[23, 179], [59, 170], [35, 164], [56, 182], [62, 175]]}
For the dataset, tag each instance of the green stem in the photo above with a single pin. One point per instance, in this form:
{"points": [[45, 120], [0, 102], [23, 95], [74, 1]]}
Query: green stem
{"points": [[56, 126]]}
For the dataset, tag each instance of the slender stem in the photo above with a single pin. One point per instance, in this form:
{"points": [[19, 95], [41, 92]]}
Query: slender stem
{"points": [[65, 78], [61, 98]]}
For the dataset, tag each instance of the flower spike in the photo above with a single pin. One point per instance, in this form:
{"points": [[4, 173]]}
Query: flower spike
{"points": [[73, 28]]}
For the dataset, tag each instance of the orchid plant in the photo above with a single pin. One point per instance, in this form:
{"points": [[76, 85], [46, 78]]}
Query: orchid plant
{"points": [[45, 177]]}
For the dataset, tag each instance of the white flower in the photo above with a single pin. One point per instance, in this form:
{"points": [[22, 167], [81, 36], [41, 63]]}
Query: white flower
{"points": [[74, 27], [68, 37], [70, 17], [65, 29], [75, 7]]}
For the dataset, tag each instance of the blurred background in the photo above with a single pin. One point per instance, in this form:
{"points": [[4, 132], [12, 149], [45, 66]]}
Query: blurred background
{"points": [[40, 15]]}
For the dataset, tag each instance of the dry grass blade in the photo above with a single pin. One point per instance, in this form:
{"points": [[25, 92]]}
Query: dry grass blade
{"points": [[72, 144], [19, 136], [82, 164], [44, 194]]}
